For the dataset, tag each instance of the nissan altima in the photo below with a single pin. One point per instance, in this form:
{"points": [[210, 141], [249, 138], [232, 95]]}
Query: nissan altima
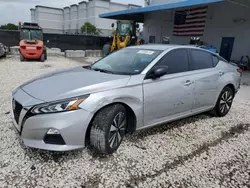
{"points": [[134, 88]]}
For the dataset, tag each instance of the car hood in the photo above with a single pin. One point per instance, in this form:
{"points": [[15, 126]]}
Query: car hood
{"points": [[71, 83]]}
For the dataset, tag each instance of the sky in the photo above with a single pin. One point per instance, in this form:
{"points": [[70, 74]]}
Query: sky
{"points": [[13, 11]]}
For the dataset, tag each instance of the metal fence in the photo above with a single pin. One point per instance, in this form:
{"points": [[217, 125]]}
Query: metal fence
{"points": [[62, 41]]}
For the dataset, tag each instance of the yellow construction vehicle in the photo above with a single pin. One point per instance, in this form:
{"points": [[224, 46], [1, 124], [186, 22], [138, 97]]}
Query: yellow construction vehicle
{"points": [[123, 35]]}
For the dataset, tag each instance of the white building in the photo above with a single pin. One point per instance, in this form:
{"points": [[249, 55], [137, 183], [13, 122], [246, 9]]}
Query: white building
{"points": [[70, 19], [223, 24]]}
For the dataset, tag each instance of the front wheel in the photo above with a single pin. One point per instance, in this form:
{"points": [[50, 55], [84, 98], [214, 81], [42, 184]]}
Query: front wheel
{"points": [[108, 129], [42, 58], [224, 102]]}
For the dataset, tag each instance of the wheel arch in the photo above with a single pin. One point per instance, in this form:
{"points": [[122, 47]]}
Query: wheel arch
{"points": [[228, 84], [132, 120], [232, 87]]}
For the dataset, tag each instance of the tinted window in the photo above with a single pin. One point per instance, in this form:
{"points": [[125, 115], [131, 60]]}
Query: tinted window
{"points": [[215, 60], [176, 61], [201, 60]]}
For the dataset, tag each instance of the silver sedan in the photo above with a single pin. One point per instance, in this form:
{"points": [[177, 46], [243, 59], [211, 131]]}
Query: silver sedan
{"points": [[131, 89]]}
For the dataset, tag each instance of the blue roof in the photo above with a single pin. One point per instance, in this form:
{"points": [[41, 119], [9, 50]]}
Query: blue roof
{"points": [[137, 14]]}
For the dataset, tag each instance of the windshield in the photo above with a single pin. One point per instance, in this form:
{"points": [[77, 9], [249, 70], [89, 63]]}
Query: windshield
{"points": [[124, 28], [128, 61], [31, 34]]}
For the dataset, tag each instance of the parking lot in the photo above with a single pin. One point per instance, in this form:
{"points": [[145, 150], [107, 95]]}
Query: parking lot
{"points": [[201, 151]]}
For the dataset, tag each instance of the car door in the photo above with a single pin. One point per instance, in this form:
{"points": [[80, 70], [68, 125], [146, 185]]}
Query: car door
{"points": [[171, 95], [206, 79]]}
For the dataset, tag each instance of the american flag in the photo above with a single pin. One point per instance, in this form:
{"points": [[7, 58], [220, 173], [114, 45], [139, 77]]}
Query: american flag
{"points": [[190, 22]]}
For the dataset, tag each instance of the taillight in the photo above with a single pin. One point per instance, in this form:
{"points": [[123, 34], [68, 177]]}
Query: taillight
{"points": [[239, 70], [23, 47], [38, 48]]}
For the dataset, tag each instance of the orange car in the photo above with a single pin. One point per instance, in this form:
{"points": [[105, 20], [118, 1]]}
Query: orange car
{"points": [[31, 43]]}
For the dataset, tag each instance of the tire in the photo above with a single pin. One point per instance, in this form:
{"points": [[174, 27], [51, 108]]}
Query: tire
{"points": [[21, 57], [45, 54], [42, 58], [108, 129], [224, 102]]}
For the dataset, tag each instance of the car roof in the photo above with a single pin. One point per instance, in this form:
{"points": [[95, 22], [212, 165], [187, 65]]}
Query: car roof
{"points": [[155, 46], [162, 46]]}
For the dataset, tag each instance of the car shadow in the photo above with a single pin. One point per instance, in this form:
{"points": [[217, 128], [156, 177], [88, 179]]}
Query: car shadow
{"points": [[167, 126]]}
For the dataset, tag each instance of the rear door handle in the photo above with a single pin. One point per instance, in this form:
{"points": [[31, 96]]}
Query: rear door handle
{"points": [[188, 83], [221, 73]]}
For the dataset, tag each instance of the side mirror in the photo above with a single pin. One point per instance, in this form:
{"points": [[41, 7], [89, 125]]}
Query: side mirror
{"points": [[112, 25], [158, 72], [137, 25]]}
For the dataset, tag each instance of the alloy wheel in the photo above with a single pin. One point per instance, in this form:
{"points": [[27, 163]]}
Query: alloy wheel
{"points": [[117, 130], [226, 102]]}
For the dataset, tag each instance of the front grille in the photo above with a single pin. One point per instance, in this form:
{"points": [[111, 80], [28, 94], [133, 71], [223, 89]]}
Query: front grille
{"points": [[17, 108]]}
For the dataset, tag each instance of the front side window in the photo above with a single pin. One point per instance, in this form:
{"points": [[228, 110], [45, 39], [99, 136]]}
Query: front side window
{"points": [[175, 60], [201, 60], [128, 61]]}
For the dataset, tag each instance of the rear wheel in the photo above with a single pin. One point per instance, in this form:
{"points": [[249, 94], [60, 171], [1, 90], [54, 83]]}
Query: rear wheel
{"points": [[108, 129], [42, 58], [45, 54], [21, 57], [224, 102]]}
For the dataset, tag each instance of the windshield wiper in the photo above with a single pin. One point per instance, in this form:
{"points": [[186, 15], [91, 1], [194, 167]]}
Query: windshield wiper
{"points": [[103, 70], [86, 67]]}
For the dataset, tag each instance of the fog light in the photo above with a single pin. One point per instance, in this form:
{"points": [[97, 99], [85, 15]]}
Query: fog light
{"points": [[54, 136], [53, 131]]}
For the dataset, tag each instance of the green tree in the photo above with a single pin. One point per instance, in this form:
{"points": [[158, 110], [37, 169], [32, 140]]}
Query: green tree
{"points": [[9, 26], [89, 28]]}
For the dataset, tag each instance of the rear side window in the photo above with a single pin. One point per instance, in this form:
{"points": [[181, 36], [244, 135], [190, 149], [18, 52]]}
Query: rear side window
{"points": [[215, 60], [175, 60], [201, 60]]}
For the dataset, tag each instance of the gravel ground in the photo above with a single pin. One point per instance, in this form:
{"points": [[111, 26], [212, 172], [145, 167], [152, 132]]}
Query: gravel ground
{"points": [[201, 151]]}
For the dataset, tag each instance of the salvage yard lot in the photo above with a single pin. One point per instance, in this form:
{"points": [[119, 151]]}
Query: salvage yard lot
{"points": [[201, 151]]}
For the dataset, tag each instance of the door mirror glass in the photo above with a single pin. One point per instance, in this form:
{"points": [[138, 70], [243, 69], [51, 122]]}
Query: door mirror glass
{"points": [[158, 72]]}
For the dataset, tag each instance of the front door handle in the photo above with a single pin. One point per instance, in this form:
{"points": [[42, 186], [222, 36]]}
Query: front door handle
{"points": [[221, 73], [188, 83]]}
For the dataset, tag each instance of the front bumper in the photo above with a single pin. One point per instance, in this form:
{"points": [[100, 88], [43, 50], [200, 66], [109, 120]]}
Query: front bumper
{"points": [[71, 125]]}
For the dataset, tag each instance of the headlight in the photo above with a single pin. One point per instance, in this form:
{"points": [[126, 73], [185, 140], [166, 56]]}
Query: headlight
{"points": [[59, 106]]}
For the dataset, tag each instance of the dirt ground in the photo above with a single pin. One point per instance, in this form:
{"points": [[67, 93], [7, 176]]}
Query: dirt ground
{"points": [[200, 151]]}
